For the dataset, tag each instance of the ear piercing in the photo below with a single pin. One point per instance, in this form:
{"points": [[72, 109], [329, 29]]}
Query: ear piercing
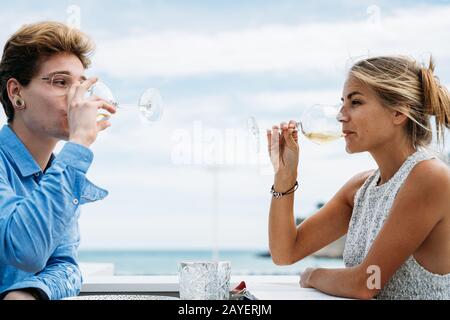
{"points": [[19, 102]]}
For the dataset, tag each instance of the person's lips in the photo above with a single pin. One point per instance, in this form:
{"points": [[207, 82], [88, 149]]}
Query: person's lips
{"points": [[347, 132]]}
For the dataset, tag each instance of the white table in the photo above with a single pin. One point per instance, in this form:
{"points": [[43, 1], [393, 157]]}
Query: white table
{"points": [[262, 287]]}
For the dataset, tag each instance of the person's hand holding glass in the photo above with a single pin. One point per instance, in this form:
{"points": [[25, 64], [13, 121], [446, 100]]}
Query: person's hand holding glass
{"points": [[319, 123], [81, 110], [284, 154]]}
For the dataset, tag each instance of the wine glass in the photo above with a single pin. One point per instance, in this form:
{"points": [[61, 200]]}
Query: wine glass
{"points": [[150, 103], [319, 123]]}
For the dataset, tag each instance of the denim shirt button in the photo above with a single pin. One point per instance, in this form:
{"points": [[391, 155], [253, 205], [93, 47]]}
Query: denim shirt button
{"points": [[75, 201]]}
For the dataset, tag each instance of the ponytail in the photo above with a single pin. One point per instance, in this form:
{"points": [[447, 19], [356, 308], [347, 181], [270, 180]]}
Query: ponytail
{"points": [[436, 99]]}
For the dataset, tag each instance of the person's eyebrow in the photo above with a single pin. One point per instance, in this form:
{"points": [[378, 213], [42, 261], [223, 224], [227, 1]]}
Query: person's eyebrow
{"points": [[350, 95], [83, 78]]}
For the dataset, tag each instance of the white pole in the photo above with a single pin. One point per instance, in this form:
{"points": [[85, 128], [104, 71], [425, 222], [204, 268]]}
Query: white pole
{"points": [[215, 213]]}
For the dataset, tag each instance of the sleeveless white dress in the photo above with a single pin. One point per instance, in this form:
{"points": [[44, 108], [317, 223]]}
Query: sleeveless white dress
{"points": [[371, 207]]}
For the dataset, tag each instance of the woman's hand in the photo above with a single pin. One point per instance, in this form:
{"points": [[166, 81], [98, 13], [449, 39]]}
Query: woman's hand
{"points": [[284, 154], [305, 276], [82, 114]]}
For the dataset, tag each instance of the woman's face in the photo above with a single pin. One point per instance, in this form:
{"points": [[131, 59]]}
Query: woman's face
{"points": [[46, 106], [368, 124]]}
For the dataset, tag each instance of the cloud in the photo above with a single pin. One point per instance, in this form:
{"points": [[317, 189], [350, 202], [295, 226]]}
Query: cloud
{"points": [[311, 46], [14, 18], [291, 100]]}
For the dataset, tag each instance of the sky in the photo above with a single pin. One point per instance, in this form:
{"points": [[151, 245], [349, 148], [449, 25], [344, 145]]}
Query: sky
{"points": [[194, 179]]}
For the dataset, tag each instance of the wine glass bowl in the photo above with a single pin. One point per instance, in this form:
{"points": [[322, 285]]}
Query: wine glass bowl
{"points": [[102, 91], [319, 123]]}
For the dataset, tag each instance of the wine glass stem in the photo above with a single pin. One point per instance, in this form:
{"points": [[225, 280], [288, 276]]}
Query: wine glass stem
{"points": [[300, 125], [127, 106]]}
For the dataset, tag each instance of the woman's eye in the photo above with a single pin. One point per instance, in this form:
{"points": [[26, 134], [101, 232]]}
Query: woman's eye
{"points": [[356, 103]]}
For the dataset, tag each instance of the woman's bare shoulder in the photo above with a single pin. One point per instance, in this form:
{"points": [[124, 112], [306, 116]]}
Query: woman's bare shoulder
{"points": [[433, 166], [434, 174], [354, 184], [427, 187]]}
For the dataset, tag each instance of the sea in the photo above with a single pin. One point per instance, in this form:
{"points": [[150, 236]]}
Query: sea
{"points": [[166, 262]]}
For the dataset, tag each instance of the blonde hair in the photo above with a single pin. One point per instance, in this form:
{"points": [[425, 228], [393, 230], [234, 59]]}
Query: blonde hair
{"points": [[30, 46], [405, 86]]}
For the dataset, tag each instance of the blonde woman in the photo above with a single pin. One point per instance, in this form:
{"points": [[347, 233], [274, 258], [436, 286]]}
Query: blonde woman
{"points": [[397, 217], [42, 87]]}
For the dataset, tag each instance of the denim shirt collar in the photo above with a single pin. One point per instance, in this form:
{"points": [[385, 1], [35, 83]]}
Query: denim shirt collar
{"points": [[11, 144]]}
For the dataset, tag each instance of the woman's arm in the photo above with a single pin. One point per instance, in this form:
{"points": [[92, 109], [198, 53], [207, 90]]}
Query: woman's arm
{"points": [[420, 205], [289, 244]]}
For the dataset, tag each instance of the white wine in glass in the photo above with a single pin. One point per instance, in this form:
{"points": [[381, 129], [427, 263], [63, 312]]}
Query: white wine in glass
{"points": [[319, 123]]}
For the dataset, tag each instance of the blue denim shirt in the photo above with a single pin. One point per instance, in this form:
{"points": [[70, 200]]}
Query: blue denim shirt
{"points": [[39, 212]]}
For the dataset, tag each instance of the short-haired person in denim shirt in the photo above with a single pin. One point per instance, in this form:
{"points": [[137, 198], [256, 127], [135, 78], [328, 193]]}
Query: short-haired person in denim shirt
{"points": [[43, 92]]}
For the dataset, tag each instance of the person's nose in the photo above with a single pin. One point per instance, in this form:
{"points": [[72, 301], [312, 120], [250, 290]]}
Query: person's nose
{"points": [[342, 116]]}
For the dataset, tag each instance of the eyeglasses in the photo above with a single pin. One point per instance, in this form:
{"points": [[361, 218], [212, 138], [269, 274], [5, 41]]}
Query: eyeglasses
{"points": [[60, 83]]}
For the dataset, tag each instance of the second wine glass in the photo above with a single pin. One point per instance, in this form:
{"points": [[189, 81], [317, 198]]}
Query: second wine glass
{"points": [[319, 123]]}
